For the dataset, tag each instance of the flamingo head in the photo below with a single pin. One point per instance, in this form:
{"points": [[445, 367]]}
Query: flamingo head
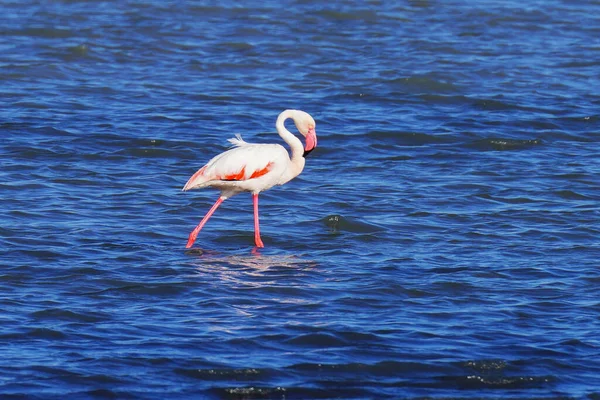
{"points": [[306, 126]]}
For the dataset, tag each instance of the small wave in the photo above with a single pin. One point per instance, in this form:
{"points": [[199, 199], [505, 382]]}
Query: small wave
{"points": [[254, 392], [317, 339], [380, 369], [359, 15], [31, 104], [485, 365], [501, 382], [37, 333], [51, 33], [505, 144], [166, 289], [579, 64], [423, 84], [237, 46], [339, 223], [449, 270], [496, 105], [340, 391], [507, 200], [50, 131], [444, 99], [66, 315], [80, 52], [571, 195], [217, 374], [103, 394], [148, 152], [405, 138]]}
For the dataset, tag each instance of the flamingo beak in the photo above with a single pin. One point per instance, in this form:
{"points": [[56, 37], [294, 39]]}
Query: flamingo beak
{"points": [[311, 141]]}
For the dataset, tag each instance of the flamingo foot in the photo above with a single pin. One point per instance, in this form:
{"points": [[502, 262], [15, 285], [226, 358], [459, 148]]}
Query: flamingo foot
{"points": [[194, 234], [192, 238], [258, 242]]}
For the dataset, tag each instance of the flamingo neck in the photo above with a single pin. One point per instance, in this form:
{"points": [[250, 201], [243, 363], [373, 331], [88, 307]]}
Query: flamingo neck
{"points": [[294, 143], [297, 160]]}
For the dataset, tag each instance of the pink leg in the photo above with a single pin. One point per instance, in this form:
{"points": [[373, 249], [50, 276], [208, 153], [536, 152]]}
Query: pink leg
{"points": [[192, 237], [257, 239]]}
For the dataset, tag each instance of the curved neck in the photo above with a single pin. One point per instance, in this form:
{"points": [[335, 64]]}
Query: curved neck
{"points": [[294, 143], [297, 161]]}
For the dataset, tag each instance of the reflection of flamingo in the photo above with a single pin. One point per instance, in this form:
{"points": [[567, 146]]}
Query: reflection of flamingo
{"points": [[255, 167]]}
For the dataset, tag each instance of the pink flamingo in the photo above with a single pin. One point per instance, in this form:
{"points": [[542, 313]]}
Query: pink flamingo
{"points": [[255, 167]]}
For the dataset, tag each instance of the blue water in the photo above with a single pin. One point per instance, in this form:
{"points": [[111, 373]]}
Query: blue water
{"points": [[442, 241]]}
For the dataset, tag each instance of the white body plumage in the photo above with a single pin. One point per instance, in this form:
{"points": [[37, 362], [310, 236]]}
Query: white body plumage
{"points": [[246, 168]]}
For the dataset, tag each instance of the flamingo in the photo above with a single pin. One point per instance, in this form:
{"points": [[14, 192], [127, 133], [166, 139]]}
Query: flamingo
{"points": [[253, 168]]}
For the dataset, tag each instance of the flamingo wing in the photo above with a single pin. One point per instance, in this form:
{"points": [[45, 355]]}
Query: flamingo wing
{"points": [[244, 162]]}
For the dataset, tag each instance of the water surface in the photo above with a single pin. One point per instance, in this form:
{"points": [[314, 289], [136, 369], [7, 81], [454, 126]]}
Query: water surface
{"points": [[442, 241]]}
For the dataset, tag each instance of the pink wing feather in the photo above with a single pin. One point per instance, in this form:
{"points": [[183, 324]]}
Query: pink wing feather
{"points": [[248, 161]]}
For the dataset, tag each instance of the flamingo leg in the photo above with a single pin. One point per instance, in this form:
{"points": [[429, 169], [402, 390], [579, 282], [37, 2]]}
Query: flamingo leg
{"points": [[257, 239], [194, 233]]}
